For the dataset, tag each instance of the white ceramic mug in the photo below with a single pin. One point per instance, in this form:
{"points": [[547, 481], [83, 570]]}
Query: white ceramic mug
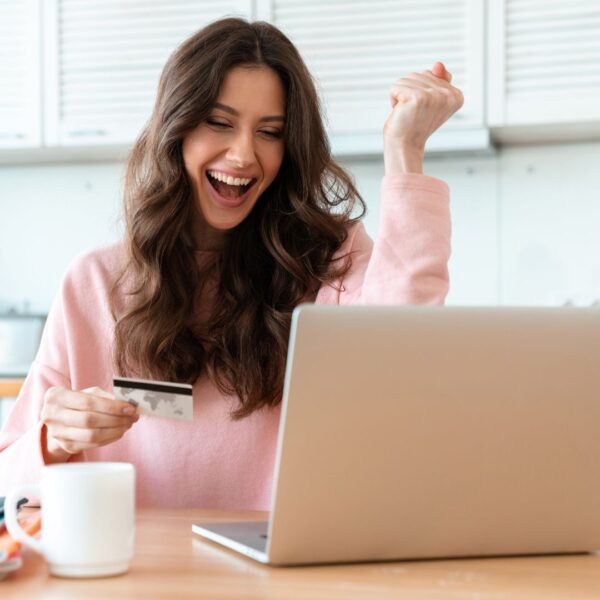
{"points": [[88, 518]]}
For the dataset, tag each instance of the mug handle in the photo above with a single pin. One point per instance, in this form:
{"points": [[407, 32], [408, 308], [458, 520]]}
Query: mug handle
{"points": [[10, 516]]}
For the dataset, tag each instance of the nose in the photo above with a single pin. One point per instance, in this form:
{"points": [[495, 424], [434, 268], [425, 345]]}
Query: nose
{"points": [[241, 151]]}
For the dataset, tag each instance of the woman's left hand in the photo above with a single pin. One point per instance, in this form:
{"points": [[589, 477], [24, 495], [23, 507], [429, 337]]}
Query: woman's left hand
{"points": [[421, 103]]}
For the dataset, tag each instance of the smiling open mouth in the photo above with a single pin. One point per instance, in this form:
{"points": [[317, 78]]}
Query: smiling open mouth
{"points": [[229, 191]]}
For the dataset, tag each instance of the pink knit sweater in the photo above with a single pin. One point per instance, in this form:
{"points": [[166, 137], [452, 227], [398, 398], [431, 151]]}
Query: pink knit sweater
{"points": [[215, 462]]}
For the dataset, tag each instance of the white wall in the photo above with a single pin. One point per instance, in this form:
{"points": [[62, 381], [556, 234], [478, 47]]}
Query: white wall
{"points": [[525, 223], [50, 213], [550, 225]]}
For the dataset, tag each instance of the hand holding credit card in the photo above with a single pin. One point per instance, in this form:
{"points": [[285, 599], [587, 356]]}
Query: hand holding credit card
{"points": [[157, 398]]}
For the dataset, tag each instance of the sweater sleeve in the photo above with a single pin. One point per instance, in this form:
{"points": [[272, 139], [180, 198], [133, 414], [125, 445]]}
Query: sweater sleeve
{"points": [[21, 457], [408, 262]]}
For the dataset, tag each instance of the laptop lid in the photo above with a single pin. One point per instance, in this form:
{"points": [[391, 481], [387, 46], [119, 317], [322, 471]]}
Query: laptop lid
{"points": [[416, 432]]}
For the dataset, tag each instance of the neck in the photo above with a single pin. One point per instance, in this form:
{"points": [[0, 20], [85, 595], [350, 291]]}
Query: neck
{"points": [[206, 237]]}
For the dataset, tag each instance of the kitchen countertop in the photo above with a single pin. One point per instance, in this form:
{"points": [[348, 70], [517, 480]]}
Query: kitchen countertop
{"points": [[10, 386]]}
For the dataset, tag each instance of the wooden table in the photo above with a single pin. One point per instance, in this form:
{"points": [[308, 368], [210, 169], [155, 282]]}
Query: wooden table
{"points": [[171, 563]]}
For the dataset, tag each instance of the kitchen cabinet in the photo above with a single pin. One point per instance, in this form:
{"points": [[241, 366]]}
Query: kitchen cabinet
{"points": [[103, 59], [78, 79], [20, 74], [356, 49], [544, 69]]}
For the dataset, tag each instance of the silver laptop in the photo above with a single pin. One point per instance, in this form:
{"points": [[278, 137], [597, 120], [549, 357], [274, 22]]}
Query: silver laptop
{"points": [[420, 432]]}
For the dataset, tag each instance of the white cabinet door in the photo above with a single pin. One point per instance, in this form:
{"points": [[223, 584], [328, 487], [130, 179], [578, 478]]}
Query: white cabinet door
{"points": [[356, 49], [19, 74], [104, 58], [544, 62]]}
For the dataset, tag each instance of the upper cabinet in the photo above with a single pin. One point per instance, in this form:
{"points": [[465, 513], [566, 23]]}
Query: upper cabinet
{"points": [[356, 50], [20, 74], [76, 74], [543, 62], [103, 59]]}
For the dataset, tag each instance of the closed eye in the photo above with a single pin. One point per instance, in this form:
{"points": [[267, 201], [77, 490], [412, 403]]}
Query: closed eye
{"points": [[217, 123], [273, 134]]}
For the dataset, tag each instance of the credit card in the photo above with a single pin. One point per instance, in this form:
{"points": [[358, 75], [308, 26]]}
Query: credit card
{"points": [[157, 398]]}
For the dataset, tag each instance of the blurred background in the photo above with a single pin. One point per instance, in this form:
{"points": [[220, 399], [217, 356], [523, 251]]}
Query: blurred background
{"points": [[522, 157]]}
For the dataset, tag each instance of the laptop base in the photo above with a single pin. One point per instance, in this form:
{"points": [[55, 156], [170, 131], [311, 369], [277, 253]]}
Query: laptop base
{"points": [[248, 538]]}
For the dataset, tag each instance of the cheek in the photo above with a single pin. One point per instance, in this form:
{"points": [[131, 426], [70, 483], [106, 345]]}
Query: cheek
{"points": [[195, 151]]}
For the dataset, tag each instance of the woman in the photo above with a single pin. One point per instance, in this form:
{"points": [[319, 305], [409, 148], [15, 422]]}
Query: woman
{"points": [[235, 213]]}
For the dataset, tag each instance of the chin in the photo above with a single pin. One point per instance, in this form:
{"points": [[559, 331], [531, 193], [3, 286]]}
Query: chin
{"points": [[229, 221]]}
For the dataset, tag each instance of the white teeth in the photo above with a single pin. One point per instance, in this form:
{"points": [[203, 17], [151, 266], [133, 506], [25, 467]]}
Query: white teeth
{"points": [[228, 179]]}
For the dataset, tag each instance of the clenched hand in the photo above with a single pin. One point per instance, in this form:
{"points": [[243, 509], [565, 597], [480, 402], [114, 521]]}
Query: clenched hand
{"points": [[421, 103]]}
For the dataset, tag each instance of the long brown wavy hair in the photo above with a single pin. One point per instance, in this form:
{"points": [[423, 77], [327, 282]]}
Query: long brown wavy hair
{"points": [[279, 255]]}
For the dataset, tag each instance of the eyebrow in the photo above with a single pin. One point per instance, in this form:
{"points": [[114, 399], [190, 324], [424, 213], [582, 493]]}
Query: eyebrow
{"points": [[232, 111]]}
